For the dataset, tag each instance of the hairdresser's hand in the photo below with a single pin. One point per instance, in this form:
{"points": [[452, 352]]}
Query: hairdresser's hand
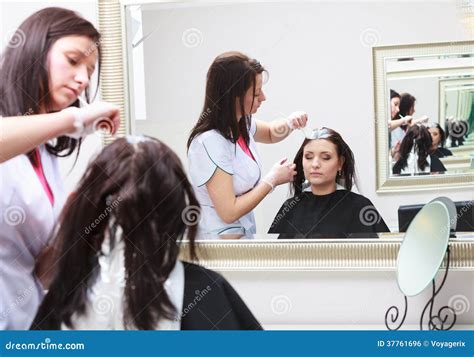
{"points": [[408, 120], [101, 116], [422, 119], [297, 120], [395, 152], [282, 172]]}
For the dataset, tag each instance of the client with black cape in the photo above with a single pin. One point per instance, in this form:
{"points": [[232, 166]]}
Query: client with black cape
{"points": [[323, 205]]}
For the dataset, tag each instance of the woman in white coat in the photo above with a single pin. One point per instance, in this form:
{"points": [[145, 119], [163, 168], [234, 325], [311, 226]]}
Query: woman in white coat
{"points": [[40, 80], [224, 164]]}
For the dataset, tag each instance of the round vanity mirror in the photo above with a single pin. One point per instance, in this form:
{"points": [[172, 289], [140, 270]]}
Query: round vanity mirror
{"points": [[423, 248]]}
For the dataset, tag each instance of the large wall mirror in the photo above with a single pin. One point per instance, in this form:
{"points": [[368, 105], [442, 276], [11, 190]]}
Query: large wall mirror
{"points": [[160, 51], [435, 87]]}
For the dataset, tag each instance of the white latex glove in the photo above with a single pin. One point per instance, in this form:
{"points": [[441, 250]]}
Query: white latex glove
{"points": [[282, 172], [297, 120], [98, 115]]}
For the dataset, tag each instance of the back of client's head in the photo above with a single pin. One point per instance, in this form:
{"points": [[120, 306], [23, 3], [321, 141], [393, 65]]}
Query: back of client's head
{"points": [[346, 175], [136, 184], [417, 139]]}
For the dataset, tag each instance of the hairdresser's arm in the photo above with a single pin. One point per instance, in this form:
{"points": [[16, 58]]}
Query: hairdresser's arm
{"points": [[229, 207], [393, 124], [277, 130], [19, 135]]}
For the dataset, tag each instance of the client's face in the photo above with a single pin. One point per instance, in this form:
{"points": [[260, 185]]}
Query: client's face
{"points": [[435, 136], [321, 162]]}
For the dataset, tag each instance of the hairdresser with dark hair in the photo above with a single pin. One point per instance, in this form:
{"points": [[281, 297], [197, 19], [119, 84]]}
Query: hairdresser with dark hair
{"points": [[41, 78], [224, 164], [122, 271]]}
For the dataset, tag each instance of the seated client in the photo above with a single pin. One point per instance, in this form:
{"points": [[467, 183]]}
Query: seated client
{"points": [[323, 204], [117, 249]]}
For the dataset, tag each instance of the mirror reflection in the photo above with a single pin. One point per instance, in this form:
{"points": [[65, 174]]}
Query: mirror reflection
{"points": [[241, 111], [431, 115]]}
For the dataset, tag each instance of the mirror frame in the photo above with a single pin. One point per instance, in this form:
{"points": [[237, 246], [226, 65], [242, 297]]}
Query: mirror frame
{"points": [[385, 182], [246, 255]]}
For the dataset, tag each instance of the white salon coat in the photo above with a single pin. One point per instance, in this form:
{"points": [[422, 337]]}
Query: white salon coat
{"points": [[26, 221], [209, 151]]}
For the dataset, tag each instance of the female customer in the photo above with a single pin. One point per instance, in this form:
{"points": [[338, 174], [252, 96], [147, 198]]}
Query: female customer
{"points": [[323, 204], [415, 157], [223, 159], [117, 247], [439, 140]]}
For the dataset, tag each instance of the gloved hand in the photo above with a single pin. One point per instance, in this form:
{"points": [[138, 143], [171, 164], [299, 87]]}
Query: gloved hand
{"points": [[297, 120], [98, 115], [282, 172]]}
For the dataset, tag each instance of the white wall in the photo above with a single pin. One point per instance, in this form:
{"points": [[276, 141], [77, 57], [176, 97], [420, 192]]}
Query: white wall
{"points": [[319, 58], [345, 300], [12, 14]]}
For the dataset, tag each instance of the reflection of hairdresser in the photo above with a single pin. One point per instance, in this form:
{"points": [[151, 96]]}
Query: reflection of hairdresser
{"points": [[406, 111], [415, 155], [439, 139], [224, 164]]}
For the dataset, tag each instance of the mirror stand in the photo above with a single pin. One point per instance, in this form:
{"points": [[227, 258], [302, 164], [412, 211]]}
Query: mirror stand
{"points": [[436, 322]]}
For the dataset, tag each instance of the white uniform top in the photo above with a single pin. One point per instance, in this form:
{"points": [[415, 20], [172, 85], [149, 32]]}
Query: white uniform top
{"points": [[396, 135], [209, 151], [26, 221]]}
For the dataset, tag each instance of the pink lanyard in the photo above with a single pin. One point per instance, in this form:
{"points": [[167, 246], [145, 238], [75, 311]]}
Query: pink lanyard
{"points": [[38, 167], [245, 147]]}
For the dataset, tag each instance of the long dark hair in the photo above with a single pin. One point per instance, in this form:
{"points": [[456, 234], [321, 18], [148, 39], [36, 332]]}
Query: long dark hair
{"points": [[407, 102], [140, 187], [343, 151], [228, 79], [419, 137], [24, 79]]}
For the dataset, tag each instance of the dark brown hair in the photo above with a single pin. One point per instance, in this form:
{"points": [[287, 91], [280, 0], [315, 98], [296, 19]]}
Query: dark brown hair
{"points": [[417, 138], [407, 102], [24, 79], [228, 79], [347, 176], [140, 187]]}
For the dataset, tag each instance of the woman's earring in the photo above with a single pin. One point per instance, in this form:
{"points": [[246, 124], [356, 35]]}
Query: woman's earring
{"points": [[305, 184], [339, 172]]}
